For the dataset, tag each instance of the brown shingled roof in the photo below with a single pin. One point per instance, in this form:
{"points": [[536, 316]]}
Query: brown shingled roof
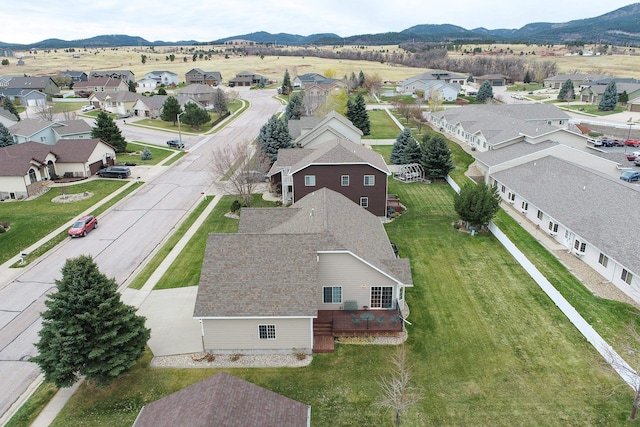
{"points": [[15, 160], [224, 400]]}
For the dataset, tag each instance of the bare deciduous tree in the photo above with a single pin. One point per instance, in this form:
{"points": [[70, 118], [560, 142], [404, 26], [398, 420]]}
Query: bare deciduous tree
{"points": [[418, 119], [244, 166], [397, 394], [45, 111]]}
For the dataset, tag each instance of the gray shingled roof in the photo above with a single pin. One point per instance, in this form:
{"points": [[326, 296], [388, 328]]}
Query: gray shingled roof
{"points": [[250, 273], [224, 400], [72, 127], [74, 150], [601, 209], [28, 127], [515, 151], [339, 151], [305, 122]]}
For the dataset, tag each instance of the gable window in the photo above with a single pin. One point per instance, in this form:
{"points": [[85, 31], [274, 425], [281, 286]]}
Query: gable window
{"points": [[309, 180], [604, 260], [369, 180], [539, 214], [43, 139], [344, 180], [267, 332], [580, 246], [364, 202], [553, 227], [332, 294], [381, 297], [626, 277]]}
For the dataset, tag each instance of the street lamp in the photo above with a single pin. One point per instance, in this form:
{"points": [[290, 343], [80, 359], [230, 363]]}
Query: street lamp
{"points": [[630, 121], [180, 133]]}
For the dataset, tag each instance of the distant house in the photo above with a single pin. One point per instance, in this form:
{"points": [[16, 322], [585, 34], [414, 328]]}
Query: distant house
{"points": [[309, 132], [304, 80], [124, 75], [99, 84], [75, 76], [323, 258], [23, 167], [494, 79], [149, 106], [6, 118], [147, 84], [120, 102], [43, 84], [593, 92], [577, 79], [198, 76], [6, 78], [46, 132], [448, 92], [348, 168], [203, 94], [247, 78], [166, 78], [316, 95], [419, 82], [224, 400]]}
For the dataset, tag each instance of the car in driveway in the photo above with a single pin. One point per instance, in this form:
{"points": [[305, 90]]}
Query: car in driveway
{"points": [[175, 143], [114, 172], [630, 176], [86, 108], [83, 225]]}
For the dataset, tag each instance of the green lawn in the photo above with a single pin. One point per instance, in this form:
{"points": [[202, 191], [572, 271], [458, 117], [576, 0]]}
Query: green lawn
{"points": [[593, 109], [524, 87], [486, 344], [382, 126], [31, 220], [134, 153]]}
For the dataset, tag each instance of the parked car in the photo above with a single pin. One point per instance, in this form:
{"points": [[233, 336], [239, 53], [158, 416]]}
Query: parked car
{"points": [[114, 172], [630, 176], [595, 142], [633, 156], [606, 142], [86, 108], [632, 142], [175, 143], [82, 226], [637, 161], [123, 116]]}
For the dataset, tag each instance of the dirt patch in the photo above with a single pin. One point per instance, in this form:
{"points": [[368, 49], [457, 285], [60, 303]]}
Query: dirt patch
{"points": [[70, 198]]}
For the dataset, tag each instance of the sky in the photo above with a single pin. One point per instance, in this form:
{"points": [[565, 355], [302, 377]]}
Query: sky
{"points": [[30, 21]]}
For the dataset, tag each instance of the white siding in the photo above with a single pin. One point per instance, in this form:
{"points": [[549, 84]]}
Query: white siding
{"points": [[355, 277], [241, 335]]}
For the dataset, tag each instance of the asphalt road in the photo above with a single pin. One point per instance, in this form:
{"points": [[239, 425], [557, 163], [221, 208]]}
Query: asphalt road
{"points": [[126, 236]]}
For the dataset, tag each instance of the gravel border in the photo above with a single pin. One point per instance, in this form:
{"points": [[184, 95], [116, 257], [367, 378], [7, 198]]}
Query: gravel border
{"points": [[261, 360]]}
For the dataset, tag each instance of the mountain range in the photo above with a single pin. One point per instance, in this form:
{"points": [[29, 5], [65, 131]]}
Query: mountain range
{"points": [[619, 27]]}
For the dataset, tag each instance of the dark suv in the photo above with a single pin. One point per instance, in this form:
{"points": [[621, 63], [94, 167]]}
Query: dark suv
{"points": [[114, 172], [174, 143]]}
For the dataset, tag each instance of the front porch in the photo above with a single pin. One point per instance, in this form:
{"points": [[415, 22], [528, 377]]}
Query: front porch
{"points": [[339, 323]]}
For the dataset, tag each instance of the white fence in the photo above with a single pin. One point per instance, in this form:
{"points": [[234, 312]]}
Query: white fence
{"points": [[608, 353]]}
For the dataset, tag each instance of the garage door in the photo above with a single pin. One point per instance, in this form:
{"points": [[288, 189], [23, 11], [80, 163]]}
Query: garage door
{"points": [[95, 167], [634, 107]]}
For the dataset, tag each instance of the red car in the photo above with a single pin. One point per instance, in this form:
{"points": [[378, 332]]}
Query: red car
{"points": [[632, 142], [82, 226], [633, 156]]}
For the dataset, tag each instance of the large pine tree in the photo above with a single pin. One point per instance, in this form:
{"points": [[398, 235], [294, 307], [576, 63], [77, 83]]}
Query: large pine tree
{"points": [[609, 98], [485, 93], [87, 330], [273, 136], [8, 105], [477, 204], [286, 87], [567, 91], [6, 138], [170, 110], [412, 152], [397, 152], [294, 107], [436, 156], [107, 130], [195, 116], [357, 113]]}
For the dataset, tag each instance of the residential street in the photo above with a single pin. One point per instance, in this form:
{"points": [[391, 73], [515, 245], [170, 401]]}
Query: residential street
{"points": [[127, 235]]}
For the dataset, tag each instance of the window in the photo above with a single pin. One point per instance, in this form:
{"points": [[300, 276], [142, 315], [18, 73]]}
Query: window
{"points": [[309, 180], [32, 176], [553, 227], [364, 202], [539, 214], [381, 297], [604, 260], [512, 196], [369, 180], [502, 189], [626, 276], [580, 246], [344, 180], [43, 139], [525, 206], [332, 294], [267, 332]]}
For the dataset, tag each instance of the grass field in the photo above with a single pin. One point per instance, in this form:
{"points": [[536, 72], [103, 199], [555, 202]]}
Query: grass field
{"points": [[134, 153], [382, 126], [486, 345]]}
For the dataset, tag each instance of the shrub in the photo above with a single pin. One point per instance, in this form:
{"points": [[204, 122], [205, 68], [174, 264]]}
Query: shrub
{"points": [[235, 357], [235, 206], [2, 230], [146, 154], [299, 354]]}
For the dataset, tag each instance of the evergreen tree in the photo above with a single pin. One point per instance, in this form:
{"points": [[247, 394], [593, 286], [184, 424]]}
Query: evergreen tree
{"points": [[170, 110], [436, 156], [485, 92], [8, 105], [624, 97], [273, 136], [609, 97], [146, 154], [195, 116], [527, 78], [361, 79], [412, 152], [357, 113], [477, 204], [287, 87], [87, 330], [132, 86], [397, 152], [567, 91], [220, 102], [6, 138], [107, 130], [162, 91], [470, 79], [353, 82], [294, 107]]}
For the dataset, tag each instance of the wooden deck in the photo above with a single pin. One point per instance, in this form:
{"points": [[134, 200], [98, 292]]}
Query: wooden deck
{"points": [[339, 323]]}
